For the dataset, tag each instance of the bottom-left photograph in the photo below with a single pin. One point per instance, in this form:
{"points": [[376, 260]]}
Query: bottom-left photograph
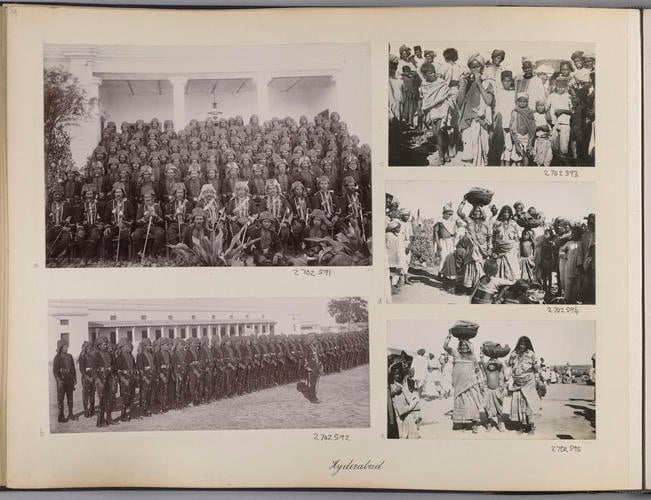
{"points": [[208, 364]]}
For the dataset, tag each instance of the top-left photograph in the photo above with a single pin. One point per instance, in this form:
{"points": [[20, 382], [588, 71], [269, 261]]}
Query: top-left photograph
{"points": [[252, 155]]}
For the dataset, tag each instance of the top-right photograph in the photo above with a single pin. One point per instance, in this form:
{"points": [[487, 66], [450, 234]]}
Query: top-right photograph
{"points": [[513, 104]]}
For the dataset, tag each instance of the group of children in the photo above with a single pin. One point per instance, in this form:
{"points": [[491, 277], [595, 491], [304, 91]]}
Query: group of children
{"points": [[486, 114], [284, 181]]}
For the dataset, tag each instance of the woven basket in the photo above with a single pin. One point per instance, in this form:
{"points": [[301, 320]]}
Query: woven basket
{"points": [[479, 196]]}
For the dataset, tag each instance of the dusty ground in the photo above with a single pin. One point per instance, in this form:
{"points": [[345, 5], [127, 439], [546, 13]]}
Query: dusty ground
{"points": [[568, 413], [427, 288], [344, 404]]}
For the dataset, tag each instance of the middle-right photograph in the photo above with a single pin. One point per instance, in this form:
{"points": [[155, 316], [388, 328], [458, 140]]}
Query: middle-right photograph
{"points": [[495, 243]]}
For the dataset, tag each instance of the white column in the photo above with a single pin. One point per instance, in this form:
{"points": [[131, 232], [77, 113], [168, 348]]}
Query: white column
{"points": [[149, 332], [262, 88], [178, 100], [85, 136], [176, 331]]}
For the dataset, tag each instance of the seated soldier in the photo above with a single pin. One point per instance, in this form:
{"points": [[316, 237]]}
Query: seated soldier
{"points": [[58, 235], [268, 250], [149, 228], [118, 217], [89, 224], [178, 215]]}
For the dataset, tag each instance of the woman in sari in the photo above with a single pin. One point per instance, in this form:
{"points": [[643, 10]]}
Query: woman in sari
{"points": [[465, 382], [445, 230], [525, 402], [473, 248], [506, 244], [475, 102]]}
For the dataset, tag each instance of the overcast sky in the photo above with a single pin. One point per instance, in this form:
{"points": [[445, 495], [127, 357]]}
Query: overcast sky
{"points": [[557, 342], [571, 200], [514, 51]]}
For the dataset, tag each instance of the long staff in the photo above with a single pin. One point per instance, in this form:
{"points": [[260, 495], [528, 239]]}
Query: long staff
{"points": [[144, 249]]}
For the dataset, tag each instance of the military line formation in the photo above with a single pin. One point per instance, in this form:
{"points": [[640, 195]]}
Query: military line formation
{"points": [[146, 186], [176, 373]]}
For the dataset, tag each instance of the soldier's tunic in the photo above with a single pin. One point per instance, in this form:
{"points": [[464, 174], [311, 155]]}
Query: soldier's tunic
{"points": [[127, 376], [66, 378], [104, 387], [147, 373], [87, 364], [163, 366]]}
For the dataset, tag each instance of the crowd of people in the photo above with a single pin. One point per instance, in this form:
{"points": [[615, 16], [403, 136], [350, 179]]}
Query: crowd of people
{"points": [[478, 387], [482, 113], [510, 255], [280, 185], [175, 373]]}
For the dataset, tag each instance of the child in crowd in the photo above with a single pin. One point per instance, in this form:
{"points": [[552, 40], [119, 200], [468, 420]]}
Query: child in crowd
{"points": [[494, 392], [560, 112], [542, 148], [488, 285], [523, 130]]}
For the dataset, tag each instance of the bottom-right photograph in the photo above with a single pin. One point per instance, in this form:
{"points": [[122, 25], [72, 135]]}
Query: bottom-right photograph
{"points": [[492, 379]]}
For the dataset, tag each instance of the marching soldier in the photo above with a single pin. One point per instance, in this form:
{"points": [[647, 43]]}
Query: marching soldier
{"points": [[104, 383], [66, 379], [147, 371], [127, 375], [87, 371]]}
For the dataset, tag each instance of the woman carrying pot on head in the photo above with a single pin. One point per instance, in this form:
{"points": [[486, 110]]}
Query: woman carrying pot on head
{"points": [[466, 385]]}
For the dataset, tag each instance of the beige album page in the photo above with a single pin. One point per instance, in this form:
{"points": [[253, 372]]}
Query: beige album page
{"points": [[228, 268]]}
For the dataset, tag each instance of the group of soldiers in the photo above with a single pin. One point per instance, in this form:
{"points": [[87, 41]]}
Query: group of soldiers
{"points": [[147, 186], [175, 373]]}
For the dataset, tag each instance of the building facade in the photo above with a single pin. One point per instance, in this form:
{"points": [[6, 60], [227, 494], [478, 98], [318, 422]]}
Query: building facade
{"points": [[77, 322]]}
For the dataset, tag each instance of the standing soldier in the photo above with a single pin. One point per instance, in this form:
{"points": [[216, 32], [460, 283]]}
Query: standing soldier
{"points": [[87, 371], [104, 383], [146, 370], [314, 368], [229, 366], [127, 375], [163, 364], [180, 367], [194, 373], [66, 379], [208, 369], [219, 380]]}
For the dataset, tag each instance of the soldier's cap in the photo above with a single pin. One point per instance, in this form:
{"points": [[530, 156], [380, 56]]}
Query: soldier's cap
{"points": [[266, 216], [57, 188], [196, 212], [318, 213], [88, 188], [349, 179], [179, 186], [118, 185], [297, 184], [61, 344]]}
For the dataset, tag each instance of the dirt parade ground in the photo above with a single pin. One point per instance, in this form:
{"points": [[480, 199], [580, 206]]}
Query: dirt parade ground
{"points": [[344, 404], [568, 412]]}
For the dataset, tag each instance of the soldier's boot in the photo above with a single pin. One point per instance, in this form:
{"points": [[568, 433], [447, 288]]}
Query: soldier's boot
{"points": [[100, 420], [109, 419], [91, 409], [61, 417], [86, 414], [71, 415]]}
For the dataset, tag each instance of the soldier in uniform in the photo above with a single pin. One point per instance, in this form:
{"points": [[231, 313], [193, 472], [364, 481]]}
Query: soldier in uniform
{"points": [[66, 379], [194, 373], [58, 235], [87, 371], [147, 372], [219, 381], [314, 368], [180, 367], [163, 367], [118, 217], [89, 224], [149, 227], [127, 376], [104, 382], [229, 366], [178, 215], [208, 369]]}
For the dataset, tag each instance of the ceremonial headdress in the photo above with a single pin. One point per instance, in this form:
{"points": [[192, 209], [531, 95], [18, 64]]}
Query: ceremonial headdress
{"points": [[207, 189], [318, 213], [196, 212], [179, 185], [118, 185], [296, 184], [266, 216], [272, 182]]}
